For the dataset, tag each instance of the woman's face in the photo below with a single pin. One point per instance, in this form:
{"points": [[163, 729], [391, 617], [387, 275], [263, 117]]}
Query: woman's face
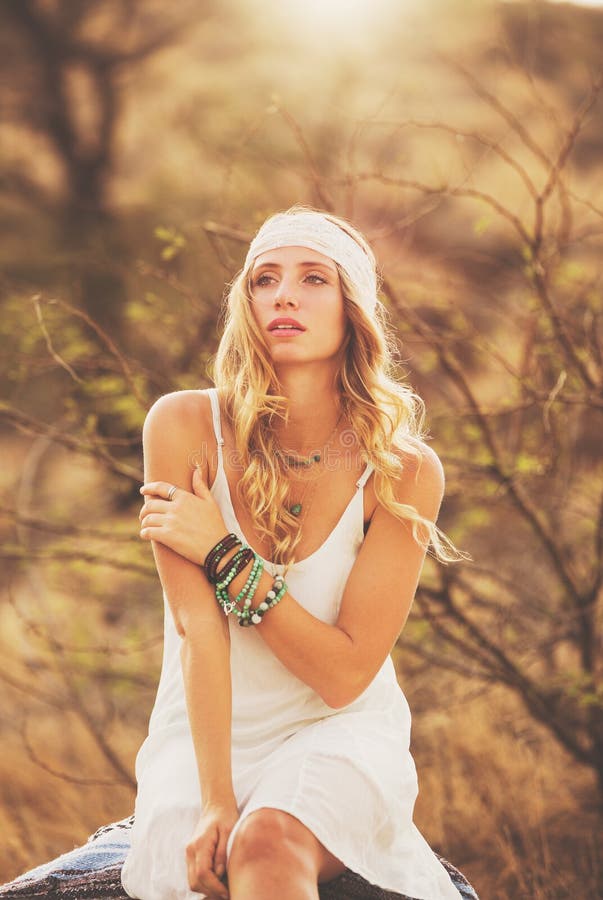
{"points": [[302, 285]]}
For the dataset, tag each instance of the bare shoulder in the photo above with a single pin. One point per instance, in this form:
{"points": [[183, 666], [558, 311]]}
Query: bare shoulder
{"points": [[184, 411], [176, 434], [426, 462], [421, 481], [180, 404]]}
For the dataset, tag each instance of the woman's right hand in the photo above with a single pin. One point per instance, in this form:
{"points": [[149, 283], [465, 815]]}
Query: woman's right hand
{"points": [[206, 850]]}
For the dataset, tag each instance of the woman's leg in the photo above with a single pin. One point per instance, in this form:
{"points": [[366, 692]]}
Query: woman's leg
{"points": [[274, 855]]}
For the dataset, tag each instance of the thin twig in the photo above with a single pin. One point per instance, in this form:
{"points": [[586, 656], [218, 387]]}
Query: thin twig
{"points": [[315, 177], [66, 776], [109, 343], [61, 528], [26, 555], [26, 424], [496, 104], [56, 356], [455, 131]]}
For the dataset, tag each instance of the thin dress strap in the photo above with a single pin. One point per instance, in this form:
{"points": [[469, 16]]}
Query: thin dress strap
{"points": [[365, 476], [215, 414]]}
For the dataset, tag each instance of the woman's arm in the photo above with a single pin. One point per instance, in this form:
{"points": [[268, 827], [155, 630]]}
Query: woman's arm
{"points": [[339, 661], [173, 429]]}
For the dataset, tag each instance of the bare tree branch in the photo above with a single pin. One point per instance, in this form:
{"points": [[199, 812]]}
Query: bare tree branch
{"points": [[315, 177], [63, 528], [28, 425], [67, 776], [105, 338], [25, 555]]}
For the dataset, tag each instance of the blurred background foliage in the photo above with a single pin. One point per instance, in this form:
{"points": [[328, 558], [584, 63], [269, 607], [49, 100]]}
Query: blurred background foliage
{"points": [[142, 145]]}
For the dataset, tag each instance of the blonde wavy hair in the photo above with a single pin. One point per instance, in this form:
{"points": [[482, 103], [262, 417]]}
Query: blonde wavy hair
{"points": [[382, 412]]}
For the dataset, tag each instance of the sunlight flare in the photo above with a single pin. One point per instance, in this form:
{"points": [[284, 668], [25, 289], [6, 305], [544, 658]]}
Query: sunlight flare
{"points": [[344, 19]]}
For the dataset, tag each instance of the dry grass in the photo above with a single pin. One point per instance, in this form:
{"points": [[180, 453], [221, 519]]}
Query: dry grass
{"points": [[506, 804], [42, 815]]}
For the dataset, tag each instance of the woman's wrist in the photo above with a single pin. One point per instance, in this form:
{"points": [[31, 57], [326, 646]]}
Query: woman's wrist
{"points": [[217, 791], [237, 574], [220, 555], [225, 561], [209, 550], [239, 581], [219, 799]]}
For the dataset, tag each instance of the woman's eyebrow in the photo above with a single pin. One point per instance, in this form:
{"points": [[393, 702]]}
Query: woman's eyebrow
{"points": [[308, 264]]}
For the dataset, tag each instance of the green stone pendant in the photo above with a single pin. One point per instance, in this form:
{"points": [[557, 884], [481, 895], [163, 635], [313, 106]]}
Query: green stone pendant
{"points": [[298, 461], [295, 509]]}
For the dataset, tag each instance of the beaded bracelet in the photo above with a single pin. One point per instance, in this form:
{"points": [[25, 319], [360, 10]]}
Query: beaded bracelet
{"points": [[274, 595], [233, 567], [217, 553], [246, 615], [248, 589]]}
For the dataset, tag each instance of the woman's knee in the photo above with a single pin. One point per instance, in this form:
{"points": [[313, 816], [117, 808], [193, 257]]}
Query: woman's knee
{"points": [[271, 835]]}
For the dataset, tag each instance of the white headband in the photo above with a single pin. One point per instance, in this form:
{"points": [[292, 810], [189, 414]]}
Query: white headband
{"points": [[314, 231]]}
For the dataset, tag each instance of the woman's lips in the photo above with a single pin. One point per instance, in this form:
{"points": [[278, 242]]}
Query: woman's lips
{"points": [[286, 332], [285, 322]]}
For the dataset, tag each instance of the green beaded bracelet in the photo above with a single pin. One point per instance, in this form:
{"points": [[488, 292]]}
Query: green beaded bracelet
{"points": [[249, 588], [221, 587], [246, 592], [274, 595], [248, 616]]}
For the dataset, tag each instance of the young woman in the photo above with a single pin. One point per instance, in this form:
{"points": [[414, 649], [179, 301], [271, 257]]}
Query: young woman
{"points": [[289, 509]]}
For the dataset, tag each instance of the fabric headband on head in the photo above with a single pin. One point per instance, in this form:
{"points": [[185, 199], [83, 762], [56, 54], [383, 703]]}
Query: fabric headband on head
{"points": [[314, 231]]}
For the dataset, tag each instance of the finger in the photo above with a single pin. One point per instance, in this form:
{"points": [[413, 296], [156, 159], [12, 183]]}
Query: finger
{"points": [[160, 488], [206, 883], [210, 885], [199, 483], [152, 520], [154, 533], [154, 505], [204, 875], [220, 854]]}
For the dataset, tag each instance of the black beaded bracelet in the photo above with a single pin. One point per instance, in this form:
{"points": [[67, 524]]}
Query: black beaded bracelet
{"points": [[212, 572], [213, 575], [215, 550], [217, 553], [235, 565]]}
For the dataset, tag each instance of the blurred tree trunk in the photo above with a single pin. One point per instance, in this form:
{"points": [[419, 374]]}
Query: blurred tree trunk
{"points": [[72, 96]]}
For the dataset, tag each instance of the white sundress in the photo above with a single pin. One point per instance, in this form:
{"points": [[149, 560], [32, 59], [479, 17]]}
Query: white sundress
{"points": [[347, 774]]}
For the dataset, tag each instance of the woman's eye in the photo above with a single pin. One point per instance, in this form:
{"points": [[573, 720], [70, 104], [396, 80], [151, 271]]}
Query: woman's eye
{"points": [[262, 280], [315, 278]]}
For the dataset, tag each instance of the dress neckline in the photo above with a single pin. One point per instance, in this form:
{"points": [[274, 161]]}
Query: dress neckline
{"points": [[221, 472]]}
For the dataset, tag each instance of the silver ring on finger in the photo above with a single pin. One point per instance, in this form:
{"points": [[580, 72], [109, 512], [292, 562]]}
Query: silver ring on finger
{"points": [[171, 492]]}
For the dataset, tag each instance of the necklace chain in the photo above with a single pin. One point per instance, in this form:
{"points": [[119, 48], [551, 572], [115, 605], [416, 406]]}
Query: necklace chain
{"points": [[298, 460], [303, 504]]}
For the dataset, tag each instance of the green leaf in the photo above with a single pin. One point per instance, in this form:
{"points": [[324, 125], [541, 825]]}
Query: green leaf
{"points": [[481, 226]]}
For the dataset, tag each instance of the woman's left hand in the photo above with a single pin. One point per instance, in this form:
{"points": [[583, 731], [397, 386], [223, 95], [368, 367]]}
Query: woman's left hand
{"points": [[189, 524]]}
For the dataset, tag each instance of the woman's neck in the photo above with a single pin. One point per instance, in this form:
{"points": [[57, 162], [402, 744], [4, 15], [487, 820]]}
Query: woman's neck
{"points": [[314, 409]]}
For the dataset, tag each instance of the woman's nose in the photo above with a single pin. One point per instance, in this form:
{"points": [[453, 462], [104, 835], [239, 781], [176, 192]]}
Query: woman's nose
{"points": [[285, 296]]}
